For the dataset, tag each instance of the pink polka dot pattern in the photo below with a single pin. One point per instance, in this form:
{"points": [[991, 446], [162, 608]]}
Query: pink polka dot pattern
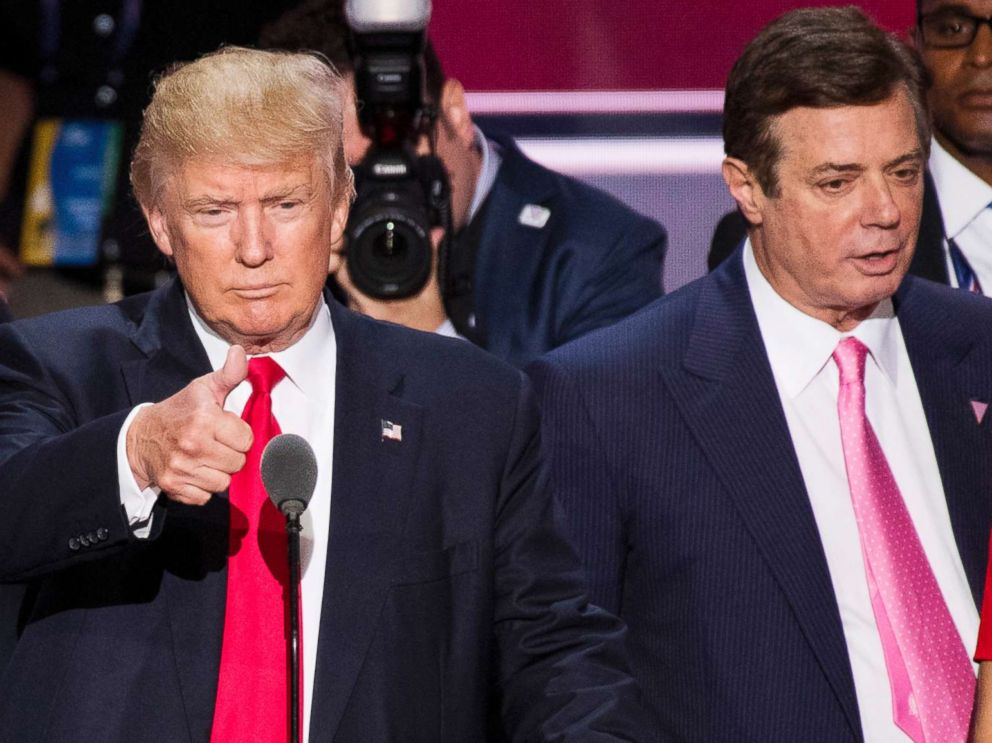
{"points": [[932, 680]]}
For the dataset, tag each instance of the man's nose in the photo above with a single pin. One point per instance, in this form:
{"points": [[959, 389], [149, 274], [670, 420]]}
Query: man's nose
{"points": [[254, 247], [979, 52], [881, 209]]}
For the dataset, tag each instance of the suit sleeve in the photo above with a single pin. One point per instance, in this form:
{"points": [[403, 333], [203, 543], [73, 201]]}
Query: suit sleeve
{"points": [[59, 498], [625, 277], [563, 670], [582, 478]]}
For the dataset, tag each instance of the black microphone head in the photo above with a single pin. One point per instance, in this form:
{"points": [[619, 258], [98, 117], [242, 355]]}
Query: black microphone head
{"points": [[289, 472]]}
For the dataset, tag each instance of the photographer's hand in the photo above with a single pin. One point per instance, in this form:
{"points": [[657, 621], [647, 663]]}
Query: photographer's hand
{"points": [[422, 311]]}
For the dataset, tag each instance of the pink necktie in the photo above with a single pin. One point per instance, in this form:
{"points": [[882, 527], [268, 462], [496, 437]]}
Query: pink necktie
{"points": [[932, 680], [253, 685]]}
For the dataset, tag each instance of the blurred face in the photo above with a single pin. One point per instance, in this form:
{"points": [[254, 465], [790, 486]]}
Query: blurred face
{"points": [[455, 146], [840, 235], [961, 94], [252, 245]]}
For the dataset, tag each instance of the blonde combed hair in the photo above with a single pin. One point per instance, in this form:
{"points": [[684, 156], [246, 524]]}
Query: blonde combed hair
{"points": [[245, 106]]}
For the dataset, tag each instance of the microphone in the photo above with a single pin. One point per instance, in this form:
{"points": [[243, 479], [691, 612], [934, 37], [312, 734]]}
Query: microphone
{"points": [[289, 473]]}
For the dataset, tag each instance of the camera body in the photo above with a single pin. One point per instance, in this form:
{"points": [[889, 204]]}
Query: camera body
{"points": [[401, 195]]}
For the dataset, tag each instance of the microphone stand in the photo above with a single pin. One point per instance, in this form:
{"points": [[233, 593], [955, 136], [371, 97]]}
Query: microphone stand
{"points": [[293, 529]]}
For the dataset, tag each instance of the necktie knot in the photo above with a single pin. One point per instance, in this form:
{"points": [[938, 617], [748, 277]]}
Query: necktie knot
{"points": [[850, 356], [263, 374]]}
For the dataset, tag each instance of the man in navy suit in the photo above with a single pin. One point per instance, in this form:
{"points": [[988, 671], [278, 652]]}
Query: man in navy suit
{"points": [[699, 446], [538, 258], [439, 598]]}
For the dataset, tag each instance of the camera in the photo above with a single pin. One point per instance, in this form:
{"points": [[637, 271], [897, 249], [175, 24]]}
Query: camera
{"points": [[401, 195]]}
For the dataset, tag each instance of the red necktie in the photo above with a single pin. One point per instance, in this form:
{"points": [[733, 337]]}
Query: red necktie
{"points": [[932, 680], [253, 686]]}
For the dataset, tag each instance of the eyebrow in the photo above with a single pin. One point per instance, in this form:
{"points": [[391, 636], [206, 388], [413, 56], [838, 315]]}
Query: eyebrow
{"points": [[829, 167], [271, 197], [949, 9]]}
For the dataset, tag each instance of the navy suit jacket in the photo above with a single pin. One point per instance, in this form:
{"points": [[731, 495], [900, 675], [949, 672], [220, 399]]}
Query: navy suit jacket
{"points": [[593, 263], [929, 261], [671, 452], [453, 610]]}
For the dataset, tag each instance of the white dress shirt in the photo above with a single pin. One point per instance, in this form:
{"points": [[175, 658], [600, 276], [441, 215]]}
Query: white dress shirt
{"points": [[799, 349], [302, 403], [964, 198]]}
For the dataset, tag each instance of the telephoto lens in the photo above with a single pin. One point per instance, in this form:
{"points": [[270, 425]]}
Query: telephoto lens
{"points": [[388, 236]]}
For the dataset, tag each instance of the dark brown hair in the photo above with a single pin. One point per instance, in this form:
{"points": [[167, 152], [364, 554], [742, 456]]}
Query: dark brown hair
{"points": [[820, 58], [320, 26]]}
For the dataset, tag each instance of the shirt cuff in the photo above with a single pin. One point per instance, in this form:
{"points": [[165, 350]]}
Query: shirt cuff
{"points": [[138, 504]]}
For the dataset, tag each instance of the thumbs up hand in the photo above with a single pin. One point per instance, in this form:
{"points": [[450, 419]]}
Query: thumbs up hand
{"points": [[188, 445]]}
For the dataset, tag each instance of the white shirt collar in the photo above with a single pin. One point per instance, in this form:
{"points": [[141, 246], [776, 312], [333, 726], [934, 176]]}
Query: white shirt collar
{"points": [[491, 160], [963, 195], [307, 362], [799, 346]]}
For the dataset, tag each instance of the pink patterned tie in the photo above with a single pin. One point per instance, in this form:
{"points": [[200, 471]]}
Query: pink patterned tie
{"points": [[932, 680]]}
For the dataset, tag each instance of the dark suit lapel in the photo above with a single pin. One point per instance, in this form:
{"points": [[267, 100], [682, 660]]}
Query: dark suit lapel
{"points": [[727, 395], [370, 493], [173, 354], [509, 258], [948, 381], [194, 545], [928, 260]]}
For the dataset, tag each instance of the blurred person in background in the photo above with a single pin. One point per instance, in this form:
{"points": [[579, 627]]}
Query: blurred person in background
{"points": [[537, 258]]}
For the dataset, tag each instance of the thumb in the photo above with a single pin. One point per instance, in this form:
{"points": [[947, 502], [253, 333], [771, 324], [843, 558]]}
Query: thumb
{"points": [[230, 375]]}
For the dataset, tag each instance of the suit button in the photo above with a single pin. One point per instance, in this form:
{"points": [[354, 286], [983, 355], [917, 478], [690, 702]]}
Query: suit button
{"points": [[74, 544], [92, 537], [84, 540], [102, 534]]}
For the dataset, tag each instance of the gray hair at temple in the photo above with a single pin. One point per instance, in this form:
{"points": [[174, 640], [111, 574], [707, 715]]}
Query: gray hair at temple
{"points": [[817, 58], [245, 106]]}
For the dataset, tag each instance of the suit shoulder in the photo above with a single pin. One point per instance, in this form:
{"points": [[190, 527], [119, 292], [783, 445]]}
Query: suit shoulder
{"points": [[447, 363], [588, 208], [655, 335], [936, 303], [79, 328]]}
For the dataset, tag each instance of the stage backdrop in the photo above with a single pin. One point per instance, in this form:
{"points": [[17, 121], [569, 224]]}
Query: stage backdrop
{"points": [[625, 94]]}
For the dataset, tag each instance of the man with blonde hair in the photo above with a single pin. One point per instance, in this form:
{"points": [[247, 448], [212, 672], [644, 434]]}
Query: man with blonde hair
{"points": [[439, 599]]}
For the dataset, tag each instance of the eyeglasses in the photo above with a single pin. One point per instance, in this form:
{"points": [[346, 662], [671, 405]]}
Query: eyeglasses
{"points": [[950, 29]]}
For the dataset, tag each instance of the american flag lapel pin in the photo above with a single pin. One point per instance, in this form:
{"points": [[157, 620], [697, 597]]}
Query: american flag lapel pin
{"points": [[391, 431]]}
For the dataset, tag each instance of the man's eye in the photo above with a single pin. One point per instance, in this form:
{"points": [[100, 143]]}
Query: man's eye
{"points": [[951, 26], [833, 185]]}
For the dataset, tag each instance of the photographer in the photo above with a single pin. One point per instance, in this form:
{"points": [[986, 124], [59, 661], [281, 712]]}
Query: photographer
{"points": [[536, 258]]}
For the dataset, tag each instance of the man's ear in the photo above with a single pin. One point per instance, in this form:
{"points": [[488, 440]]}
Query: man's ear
{"points": [[339, 220], [159, 228], [744, 188], [455, 116]]}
